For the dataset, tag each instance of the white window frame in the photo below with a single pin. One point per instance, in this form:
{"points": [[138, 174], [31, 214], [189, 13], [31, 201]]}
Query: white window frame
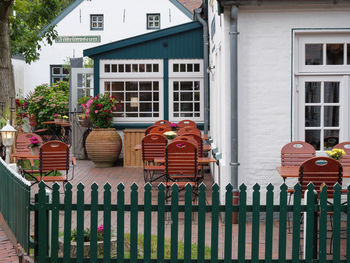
{"points": [[61, 75], [96, 27], [135, 76], [149, 16], [186, 76], [320, 73]]}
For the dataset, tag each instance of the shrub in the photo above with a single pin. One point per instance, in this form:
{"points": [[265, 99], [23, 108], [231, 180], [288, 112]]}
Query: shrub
{"points": [[47, 100]]}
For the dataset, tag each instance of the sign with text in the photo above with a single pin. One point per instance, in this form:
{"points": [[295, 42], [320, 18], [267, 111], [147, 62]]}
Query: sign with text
{"points": [[78, 39]]}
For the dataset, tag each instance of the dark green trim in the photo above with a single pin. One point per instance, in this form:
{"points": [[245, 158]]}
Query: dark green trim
{"points": [[122, 126], [96, 77], [166, 88], [62, 15], [141, 38], [182, 8]]}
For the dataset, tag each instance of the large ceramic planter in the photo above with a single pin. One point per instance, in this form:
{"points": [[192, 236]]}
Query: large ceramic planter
{"points": [[103, 146]]}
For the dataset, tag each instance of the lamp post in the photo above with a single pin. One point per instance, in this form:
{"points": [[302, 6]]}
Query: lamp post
{"points": [[8, 137]]}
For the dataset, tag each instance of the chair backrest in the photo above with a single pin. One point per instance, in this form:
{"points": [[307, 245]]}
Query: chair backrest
{"points": [[294, 153], [23, 141], [181, 159], [195, 139], [320, 170], [185, 123], [54, 155], [345, 160], [159, 130], [153, 146], [163, 123], [150, 128], [189, 129]]}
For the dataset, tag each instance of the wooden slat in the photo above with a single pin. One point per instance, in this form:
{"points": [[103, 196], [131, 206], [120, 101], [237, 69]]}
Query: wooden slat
{"points": [[132, 137]]}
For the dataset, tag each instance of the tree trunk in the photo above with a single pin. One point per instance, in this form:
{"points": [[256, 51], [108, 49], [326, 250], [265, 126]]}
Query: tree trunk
{"points": [[7, 88]]}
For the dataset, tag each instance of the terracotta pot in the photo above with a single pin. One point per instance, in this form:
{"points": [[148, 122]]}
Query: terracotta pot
{"points": [[103, 146]]}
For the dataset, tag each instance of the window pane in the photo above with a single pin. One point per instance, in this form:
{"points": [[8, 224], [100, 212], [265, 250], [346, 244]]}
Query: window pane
{"points": [[189, 67], [65, 71], [176, 115], [313, 54], [131, 115], [155, 85], [127, 68], [186, 106], [197, 114], [146, 85], [114, 68], [134, 68], [147, 115], [313, 137], [186, 85], [155, 114], [94, 18], [121, 68], [130, 95], [196, 67], [65, 79], [100, 25], [186, 96], [107, 86], [156, 96], [142, 67], [176, 66], [100, 18], [335, 54], [148, 67], [176, 96], [312, 116], [196, 85], [155, 68], [331, 116], [196, 96], [119, 97], [56, 71], [176, 106], [56, 80], [182, 67], [155, 106], [196, 106], [331, 138], [186, 114], [145, 96], [176, 85], [331, 92], [131, 85], [312, 92], [117, 86], [146, 107], [107, 68], [130, 107]]}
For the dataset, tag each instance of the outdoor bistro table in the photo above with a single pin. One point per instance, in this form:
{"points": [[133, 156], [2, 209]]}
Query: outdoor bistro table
{"points": [[65, 126], [293, 171], [201, 160], [206, 147]]}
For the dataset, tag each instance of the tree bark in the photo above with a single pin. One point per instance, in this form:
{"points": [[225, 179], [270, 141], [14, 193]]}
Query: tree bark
{"points": [[7, 88]]}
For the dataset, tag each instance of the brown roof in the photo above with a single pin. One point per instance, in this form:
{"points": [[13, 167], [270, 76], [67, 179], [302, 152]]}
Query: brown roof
{"points": [[191, 4]]}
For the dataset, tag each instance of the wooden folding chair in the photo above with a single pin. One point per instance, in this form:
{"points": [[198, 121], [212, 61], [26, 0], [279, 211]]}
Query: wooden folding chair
{"points": [[153, 146], [199, 141], [22, 143], [345, 160], [181, 165], [150, 128], [189, 129], [42, 132], [159, 130], [54, 156], [186, 123], [163, 123]]}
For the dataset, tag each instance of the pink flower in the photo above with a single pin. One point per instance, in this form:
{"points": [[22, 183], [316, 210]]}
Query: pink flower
{"points": [[96, 111], [173, 124], [100, 229]]}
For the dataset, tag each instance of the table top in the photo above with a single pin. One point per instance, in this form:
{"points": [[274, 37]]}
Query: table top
{"points": [[25, 156], [63, 124], [201, 160], [293, 171]]}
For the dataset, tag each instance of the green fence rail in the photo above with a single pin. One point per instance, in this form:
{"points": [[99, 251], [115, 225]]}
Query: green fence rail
{"points": [[14, 203], [160, 212]]}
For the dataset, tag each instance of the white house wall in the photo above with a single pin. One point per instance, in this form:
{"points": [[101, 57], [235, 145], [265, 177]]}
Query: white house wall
{"points": [[264, 86], [122, 19]]}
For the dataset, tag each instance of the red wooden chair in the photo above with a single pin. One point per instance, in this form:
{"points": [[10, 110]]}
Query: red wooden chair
{"points": [[345, 160], [147, 131], [294, 153], [42, 132], [199, 141], [186, 123], [189, 129], [163, 123], [153, 146], [181, 165], [159, 130], [54, 156]]}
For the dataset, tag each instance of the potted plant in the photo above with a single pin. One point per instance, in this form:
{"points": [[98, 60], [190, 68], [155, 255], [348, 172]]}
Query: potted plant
{"points": [[65, 119], [34, 145], [336, 154], [57, 118], [103, 144]]}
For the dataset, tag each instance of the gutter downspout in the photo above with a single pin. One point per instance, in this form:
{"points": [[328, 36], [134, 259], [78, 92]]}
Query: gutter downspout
{"points": [[234, 99], [205, 69]]}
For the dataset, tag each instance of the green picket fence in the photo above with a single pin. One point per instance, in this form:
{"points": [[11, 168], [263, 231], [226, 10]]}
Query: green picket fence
{"points": [[14, 203], [47, 244]]}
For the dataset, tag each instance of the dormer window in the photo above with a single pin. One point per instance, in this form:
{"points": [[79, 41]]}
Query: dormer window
{"points": [[96, 22], [153, 21]]}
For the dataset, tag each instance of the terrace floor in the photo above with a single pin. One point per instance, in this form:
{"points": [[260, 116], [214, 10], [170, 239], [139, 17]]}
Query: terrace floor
{"points": [[86, 173]]}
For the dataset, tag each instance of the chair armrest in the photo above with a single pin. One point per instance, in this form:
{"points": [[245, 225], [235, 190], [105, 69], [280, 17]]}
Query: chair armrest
{"points": [[74, 161]]}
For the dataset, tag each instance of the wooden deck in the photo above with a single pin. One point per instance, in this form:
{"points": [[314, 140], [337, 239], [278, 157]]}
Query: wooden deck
{"points": [[86, 173]]}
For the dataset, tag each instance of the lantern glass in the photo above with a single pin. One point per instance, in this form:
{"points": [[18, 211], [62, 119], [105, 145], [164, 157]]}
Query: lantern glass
{"points": [[8, 135]]}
